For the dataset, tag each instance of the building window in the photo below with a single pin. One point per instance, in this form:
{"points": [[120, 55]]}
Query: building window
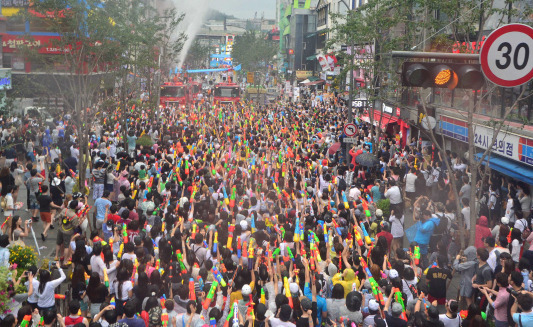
{"points": [[323, 16]]}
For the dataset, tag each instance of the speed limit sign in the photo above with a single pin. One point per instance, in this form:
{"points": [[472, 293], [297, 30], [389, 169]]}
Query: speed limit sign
{"points": [[507, 55]]}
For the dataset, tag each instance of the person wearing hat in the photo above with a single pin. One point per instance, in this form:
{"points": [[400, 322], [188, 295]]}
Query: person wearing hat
{"points": [[373, 310], [427, 314], [393, 317]]}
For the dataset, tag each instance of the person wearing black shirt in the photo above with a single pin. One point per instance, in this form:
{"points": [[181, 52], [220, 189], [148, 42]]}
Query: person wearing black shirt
{"points": [[45, 206], [437, 278]]}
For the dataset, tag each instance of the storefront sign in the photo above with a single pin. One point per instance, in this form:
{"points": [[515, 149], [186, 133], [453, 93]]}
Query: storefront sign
{"points": [[10, 43], [15, 3], [304, 74], [506, 144]]}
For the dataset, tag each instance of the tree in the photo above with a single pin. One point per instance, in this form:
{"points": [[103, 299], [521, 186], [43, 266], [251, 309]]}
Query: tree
{"points": [[381, 26], [198, 55], [99, 43], [253, 51]]}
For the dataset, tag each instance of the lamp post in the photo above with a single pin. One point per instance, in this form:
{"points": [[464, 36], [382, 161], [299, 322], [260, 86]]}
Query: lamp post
{"points": [[350, 94]]}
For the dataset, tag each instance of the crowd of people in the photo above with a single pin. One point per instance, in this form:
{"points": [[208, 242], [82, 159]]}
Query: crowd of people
{"points": [[244, 215]]}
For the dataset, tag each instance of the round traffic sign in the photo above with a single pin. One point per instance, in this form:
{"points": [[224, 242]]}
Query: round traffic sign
{"points": [[350, 129], [507, 55]]}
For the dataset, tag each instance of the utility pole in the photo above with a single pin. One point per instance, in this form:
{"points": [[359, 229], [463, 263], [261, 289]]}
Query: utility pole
{"points": [[352, 55]]}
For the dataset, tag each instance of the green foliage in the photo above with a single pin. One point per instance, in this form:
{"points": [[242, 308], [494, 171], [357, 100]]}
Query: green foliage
{"points": [[23, 257], [145, 141], [253, 51], [384, 205], [198, 55]]}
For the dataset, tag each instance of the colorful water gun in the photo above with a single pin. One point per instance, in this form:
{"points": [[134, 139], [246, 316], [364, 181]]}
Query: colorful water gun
{"points": [[297, 230], [186, 167], [398, 297], [345, 200], [59, 296], [218, 277], [215, 243], [275, 253], [417, 255], [180, 261], [239, 249], [337, 228], [287, 290], [365, 233], [210, 295], [4, 223], [290, 253], [263, 296], [164, 319], [231, 228], [253, 224], [375, 287], [233, 196], [226, 199], [25, 321], [192, 292], [326, 235], [106, 278], [365, 208], [250, 255], [124, 234], [358, 236], [193, 233], [369, 198], [112, 302]]}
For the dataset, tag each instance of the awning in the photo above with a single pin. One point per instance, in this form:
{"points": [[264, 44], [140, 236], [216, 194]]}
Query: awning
{"points": [[320, 81], [305, 81], [287, 30], [387, 119], [509, 168], [288, 11]]}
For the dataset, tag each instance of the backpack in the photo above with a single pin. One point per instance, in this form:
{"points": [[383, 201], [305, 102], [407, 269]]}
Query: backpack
{"points": [[341, 184], [154, 317], [442, 227]]}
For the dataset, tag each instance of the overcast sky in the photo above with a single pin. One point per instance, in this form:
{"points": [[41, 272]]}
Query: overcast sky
{"points": [[245, 8]]}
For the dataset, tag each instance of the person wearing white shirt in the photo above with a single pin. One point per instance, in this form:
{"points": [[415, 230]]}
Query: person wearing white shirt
{"points": [[394, 195], [47, 287], [97, 264], [410, 179]]}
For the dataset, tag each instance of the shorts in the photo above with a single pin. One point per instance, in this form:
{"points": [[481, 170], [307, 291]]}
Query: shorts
{"points": [[34, 204], [441, 301], [62, 239], [83, 305], [108, 187], [98, 191], [99, 223], [46, 217]]}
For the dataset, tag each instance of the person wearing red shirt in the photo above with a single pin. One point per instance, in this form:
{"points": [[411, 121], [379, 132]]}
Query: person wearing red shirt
{"points": [[385, 232]]}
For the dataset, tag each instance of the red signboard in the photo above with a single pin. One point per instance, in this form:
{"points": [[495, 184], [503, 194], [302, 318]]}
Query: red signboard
{"points": [[10, 43]]}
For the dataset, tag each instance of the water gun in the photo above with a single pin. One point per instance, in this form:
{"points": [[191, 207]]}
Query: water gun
{"points": [[275, 253], [253, 224], [25, 321], [215, 243], [59, 296], [399, 299], [263, 296], [434, 265], [373, 283], [212, 322], [111, 243], [250, 255], [120, 250], [326, 235], [124, 234], [365, 208], [226, 200], [235, 314], [228, 318], [192, 293], [233, 196], [134, 275], [112, 302], [365, 233], [73, 174], [201, 282], [239, 247], [186, 167], [231, 228], [210, 295], [218, 277], [134, 194], [164, 319], [369, 199], [150, 182], [106, 278], [337, 228], [417, 255], [87, 277], [297, 230], [179, 178], [345, 200], [4, 223], [180, 261], [193, 233], [358, 236], [287, 290], [290, 254]]}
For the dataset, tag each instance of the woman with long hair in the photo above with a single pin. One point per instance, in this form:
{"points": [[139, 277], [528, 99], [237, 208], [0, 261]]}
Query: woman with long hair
{"points": [[78, 288], [111, 265], [47, 287], [97, 292], [123, 289], [17, 231]]}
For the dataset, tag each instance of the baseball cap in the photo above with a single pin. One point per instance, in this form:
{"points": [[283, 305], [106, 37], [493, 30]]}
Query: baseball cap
{"points": [[306, 303], [393, 273], [379, 212], [397, 309], [373, 305], [505, 220], [246, 290]]}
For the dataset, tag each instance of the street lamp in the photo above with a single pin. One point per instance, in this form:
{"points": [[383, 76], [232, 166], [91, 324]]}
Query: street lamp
{"points": [[350, 95]]}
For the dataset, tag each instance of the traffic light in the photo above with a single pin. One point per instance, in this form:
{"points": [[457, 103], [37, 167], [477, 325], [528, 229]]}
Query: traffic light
{"points": [[444, 75]]}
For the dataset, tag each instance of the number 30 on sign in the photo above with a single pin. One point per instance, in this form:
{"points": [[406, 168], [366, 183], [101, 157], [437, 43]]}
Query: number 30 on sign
{"points": [[507, 55]]}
